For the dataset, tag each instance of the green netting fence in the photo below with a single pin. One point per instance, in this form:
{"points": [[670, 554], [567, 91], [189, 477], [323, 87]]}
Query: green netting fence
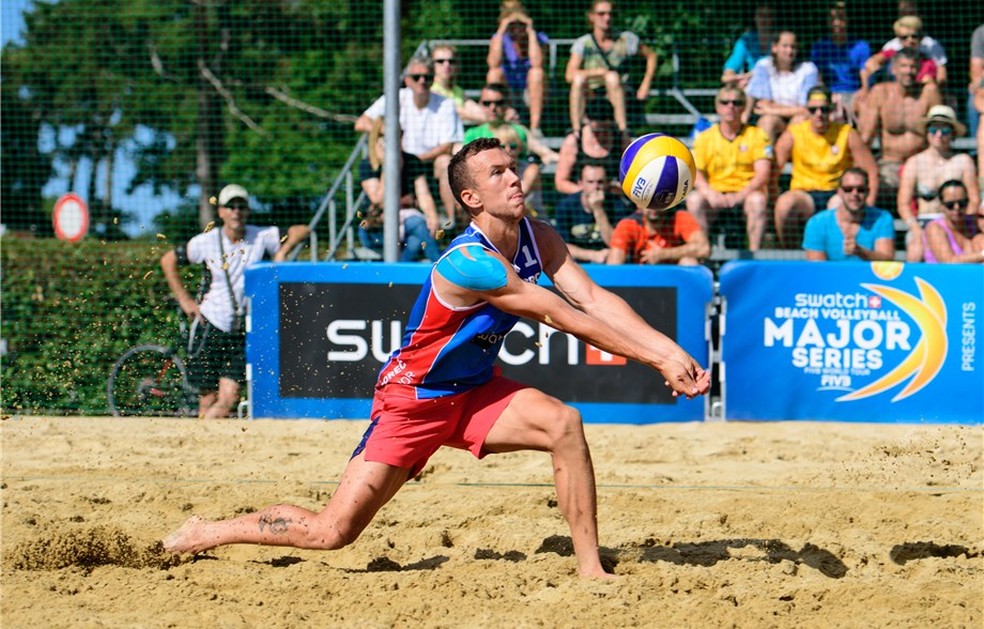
{"points": [[145, 109]]}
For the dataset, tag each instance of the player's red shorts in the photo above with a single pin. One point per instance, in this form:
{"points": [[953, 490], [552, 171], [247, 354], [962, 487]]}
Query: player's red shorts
{"points": [[406, 432]]}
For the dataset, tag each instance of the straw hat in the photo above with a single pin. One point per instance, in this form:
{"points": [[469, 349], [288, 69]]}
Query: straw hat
{"points": [[945, 114]]}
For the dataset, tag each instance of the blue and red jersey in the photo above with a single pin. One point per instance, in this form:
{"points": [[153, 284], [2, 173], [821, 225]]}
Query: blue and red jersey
{"points": [[446, 350]]}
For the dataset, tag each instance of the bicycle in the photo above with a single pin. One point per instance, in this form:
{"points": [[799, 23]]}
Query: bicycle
{"points": [[152, 380]]}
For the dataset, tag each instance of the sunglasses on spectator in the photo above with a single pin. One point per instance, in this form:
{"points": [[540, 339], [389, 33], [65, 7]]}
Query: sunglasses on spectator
{"points": [[943, 130], [511, 145], [426, 78], [602, 12], [737, 102], [959, 204], [857, 189], [237, 205], [911, 36], [449, 60], [491, 103], [820, 109]]}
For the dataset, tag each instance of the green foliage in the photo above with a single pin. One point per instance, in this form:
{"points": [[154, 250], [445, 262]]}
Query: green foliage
{"points": [[69, 311], [25, 170]]}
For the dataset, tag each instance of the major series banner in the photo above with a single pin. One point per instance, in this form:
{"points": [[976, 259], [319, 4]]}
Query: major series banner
{"points": [[319, 333], [878, 342]]}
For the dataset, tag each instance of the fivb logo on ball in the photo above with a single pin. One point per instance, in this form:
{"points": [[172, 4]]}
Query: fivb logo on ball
{"points": [[865, 343], [657, 171]]}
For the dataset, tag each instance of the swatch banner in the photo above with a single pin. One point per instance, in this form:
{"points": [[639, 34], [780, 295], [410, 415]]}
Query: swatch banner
{"points": [[319, 334], [862, 342]]}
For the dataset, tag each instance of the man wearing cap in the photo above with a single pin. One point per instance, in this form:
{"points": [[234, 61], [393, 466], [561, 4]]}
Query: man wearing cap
{"points": [[219, 368], [852, 230], [821, 151], [924, 172], [892, 112]]}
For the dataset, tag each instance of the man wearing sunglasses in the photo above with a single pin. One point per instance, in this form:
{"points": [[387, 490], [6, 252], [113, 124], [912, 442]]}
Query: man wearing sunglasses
{"points": [[918, 200], [495, 99], [430, 125], [734, 163], [852, 230], [445, 58], [821, 151], [219, 369]]}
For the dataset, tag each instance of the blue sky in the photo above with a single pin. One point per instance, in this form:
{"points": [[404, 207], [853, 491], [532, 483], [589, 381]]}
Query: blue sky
{"points": [[11, 22], [142, 204]]}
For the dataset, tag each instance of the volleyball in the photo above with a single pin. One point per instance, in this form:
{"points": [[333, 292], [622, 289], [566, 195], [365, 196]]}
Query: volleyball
{"points": [[657, 171]]}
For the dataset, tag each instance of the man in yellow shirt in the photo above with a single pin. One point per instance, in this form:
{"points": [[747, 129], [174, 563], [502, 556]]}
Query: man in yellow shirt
{"points": [[821, 152], [734, 162]]}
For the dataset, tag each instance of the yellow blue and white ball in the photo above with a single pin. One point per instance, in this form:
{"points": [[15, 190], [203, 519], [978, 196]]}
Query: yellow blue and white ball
{"points": [[657, 171]]}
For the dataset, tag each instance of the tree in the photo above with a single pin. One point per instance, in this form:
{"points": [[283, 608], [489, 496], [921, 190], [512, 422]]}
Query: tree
{"points": [[25, 170]]}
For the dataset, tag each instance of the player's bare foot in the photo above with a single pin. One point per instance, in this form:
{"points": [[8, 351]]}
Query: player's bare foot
{"points": [[597, 574], [188, 537]]}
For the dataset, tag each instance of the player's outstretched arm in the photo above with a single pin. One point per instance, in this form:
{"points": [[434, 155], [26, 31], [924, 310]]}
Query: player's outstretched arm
{"points": [[503, 288], [645, 344]]}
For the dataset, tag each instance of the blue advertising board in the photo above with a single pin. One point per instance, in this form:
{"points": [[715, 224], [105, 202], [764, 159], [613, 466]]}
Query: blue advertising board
{"points": [[319, 333], [868, 342]]}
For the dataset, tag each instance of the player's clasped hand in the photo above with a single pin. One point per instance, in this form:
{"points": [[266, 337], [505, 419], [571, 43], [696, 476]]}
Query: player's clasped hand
{"points": [[686, 378]]}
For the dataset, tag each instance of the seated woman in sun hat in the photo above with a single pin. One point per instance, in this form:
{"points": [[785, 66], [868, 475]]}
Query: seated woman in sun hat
{"points": [[924, 172]]}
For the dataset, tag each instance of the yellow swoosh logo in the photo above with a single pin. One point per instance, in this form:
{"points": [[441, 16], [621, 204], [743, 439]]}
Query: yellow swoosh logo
{"points": [[927, 357]]}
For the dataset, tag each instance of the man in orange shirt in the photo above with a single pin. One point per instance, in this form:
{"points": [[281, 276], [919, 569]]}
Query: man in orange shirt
{"points": [[658, 237]]}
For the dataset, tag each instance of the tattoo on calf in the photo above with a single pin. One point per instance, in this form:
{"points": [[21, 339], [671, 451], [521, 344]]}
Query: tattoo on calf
{"points": [[278, 526]]}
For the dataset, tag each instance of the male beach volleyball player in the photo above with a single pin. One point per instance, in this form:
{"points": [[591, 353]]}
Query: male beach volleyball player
{"points": [[441, 388]]}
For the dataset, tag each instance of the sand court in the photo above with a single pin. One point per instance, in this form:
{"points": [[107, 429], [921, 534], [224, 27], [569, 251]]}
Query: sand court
{"points": [[785, 524]]}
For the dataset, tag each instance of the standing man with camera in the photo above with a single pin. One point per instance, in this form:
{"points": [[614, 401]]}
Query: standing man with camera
{"points": [[219, 369]]}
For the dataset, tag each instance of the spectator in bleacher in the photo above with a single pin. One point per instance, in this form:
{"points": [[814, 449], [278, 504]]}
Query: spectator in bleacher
{"points": [[950, 237], [908, 35], [821, 151], [853, 230], [430, 125], [750, 47], [918, 198], [977, 243], [979, 102], [658, 237], [734, 163], [975, 98], [445, 60], [495, 100], [598, 142], [893, 112], [597, 62], [418, 212], [516, 59], [584, 220], [779, 85], [528, 167], [840, 58]]}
